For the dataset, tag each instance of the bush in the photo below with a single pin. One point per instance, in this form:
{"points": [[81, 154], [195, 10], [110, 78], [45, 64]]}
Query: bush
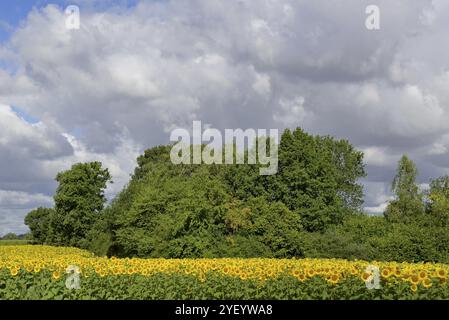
{"points": [[373, 238]]}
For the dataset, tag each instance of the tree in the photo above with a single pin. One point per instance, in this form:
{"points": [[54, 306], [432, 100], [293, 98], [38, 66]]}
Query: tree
{"points": [[404, 183], [187, 211], [38, 221], [202, 210], [438, 201], [79, 199], [10, 236], [318, 178], [408, 204], [348, 169]]}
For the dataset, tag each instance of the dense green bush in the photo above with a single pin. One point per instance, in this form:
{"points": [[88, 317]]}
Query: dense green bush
{"points": [[374, 238], [194, 216]]}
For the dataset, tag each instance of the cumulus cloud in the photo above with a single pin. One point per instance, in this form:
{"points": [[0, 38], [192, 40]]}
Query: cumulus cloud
{"points": [[133, 73], [15, 205], [29, 140], [31, 154], [292, 112]]}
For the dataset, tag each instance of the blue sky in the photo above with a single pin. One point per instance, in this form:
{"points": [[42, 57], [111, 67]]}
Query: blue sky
{"points": [[13, 11], [25, 116]]}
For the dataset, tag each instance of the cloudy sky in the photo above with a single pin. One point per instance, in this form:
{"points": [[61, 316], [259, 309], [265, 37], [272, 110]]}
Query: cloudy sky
{"points": [[137, 69]]}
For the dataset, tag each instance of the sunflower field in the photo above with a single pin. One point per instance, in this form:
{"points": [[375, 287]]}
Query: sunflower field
{"points": [[45, 272]]}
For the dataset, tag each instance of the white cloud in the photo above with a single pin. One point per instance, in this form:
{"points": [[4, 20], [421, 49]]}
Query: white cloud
{"points": [[292, 112], [29, 140], [376, 156], [17, 199], [377, 210], [121, 162], [379, 196], [262, 85], [15, 205], [31, 154]]}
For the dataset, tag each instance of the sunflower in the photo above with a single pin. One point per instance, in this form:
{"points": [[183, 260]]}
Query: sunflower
{"points": [[145, 272], [414, 287], [14, 271], [334, 278], [414, 279], [301, 277], [422, 275], [441, 273], [311, 272], [427, 283], [56, 275], [296, 273], [386, 273], [365, 276]]}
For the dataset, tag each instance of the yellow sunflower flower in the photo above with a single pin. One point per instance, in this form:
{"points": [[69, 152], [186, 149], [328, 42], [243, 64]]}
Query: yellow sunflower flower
{"points": [[56, 275]]}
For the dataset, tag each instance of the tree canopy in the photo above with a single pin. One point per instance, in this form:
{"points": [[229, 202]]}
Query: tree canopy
{"points": [[219, 210], [408, 204], [309, 208], [79, 199]]}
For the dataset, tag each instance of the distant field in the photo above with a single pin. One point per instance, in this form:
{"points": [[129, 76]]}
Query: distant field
{"points": [[13, 242]]}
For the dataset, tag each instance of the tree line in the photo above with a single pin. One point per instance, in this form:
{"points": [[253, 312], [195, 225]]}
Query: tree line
{"points": [[313, 203]]}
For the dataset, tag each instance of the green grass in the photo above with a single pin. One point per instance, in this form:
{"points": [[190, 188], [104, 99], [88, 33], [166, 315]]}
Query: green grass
{"points": [[14, 242]]}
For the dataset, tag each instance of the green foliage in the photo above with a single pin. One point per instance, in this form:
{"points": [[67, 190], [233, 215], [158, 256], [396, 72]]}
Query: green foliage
{"points": [[438, 201], [10, 236], [374, 238], [404, 183], [99, 241], [309, 208], [79, 199], [408, 205], [346, 241], [16, 242], [173, 215], [162, 286], [411, 242], [38, 221], [170, 210], [317, 179], [191, 214]]}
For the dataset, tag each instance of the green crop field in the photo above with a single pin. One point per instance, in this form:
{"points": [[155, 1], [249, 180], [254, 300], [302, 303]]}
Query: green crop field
{"points": [[14, 242]]}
